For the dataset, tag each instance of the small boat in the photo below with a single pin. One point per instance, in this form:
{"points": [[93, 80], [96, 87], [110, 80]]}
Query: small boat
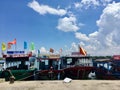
{"points": [[108, 69]]}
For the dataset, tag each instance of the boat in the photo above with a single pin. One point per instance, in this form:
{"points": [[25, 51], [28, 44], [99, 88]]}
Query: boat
{"points": [[77, 66], [48, 67], [17, 64], [108, 69]]}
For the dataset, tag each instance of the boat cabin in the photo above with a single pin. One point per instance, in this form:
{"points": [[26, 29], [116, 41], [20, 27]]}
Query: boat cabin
{"points": [[71, 61]]}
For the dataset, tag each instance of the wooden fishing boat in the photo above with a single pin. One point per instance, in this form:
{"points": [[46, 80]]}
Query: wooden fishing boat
{"points": [[77, 66], [108, 69], [48, 67], [17, 65]]}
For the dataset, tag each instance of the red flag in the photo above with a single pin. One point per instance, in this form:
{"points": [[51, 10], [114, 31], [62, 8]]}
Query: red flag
{"points": [[51, 50], [82, 51], [8, 46], [12, 42]]}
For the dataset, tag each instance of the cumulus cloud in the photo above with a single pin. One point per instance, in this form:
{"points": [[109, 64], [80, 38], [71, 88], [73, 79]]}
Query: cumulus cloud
{"points": [[68, 24], [74, 47], [109, 24], [105, 41], [44, 9], [81, 36], [91, 3], [43, 50]]}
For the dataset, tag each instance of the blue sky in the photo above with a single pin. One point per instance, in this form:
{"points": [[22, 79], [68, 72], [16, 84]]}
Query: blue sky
{"points": [[93, 24]]}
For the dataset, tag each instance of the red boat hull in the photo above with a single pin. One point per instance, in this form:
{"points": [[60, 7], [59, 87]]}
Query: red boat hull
{"points": [[78, 72]]}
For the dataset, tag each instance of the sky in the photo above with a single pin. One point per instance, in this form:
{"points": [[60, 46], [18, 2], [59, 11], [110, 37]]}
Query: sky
{"points": [[62, 24]]}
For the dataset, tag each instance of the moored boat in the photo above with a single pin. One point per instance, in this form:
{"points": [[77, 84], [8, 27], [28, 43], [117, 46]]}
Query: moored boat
{"points": [[17, 64], [77, 66], [108, 69], [48, 67]]}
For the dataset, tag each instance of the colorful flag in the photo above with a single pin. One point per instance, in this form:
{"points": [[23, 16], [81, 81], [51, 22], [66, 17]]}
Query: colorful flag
{"points": [[12, 42], [32, 47], [25, 45], [82, 51], [9, 46], [51, 50], [3, 46], [60, 50]]}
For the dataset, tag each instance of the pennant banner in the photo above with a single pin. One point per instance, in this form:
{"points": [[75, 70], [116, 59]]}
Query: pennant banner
{"points": [[12, 42], [25, 45], [8, 46], [32, 47], [82, 51], [3, 46], [60, 50], [38, 51], [51, 50]]}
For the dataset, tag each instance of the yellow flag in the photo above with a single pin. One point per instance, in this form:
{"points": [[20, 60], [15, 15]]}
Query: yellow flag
{"points": [[3, 46]]}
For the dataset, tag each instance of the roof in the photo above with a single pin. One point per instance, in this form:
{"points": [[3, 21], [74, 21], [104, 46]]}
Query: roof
{"points": [[76, 56], [102, 60]]}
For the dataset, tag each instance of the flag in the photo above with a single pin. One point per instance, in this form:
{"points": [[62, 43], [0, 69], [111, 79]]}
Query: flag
{"points": [[3, 46], [82, 51], [9, 46], [60, 50], [51, 50], [12, 42], [32, 47], [25, 45], [38, 51]]}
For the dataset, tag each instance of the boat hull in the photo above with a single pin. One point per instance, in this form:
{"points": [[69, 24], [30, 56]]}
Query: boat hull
{"points": [[18, 74], [78, 72], [106, 75], [49, 74]]}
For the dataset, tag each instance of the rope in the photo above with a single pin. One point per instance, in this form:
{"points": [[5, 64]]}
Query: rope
{"points": [[11, 74], [27, 76]]}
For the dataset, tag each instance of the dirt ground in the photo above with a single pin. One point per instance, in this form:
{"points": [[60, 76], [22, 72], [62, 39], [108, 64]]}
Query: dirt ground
{"points": [[60, 85]]}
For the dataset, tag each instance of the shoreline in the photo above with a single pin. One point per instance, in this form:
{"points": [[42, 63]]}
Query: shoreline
{"points": [[60, 85]]}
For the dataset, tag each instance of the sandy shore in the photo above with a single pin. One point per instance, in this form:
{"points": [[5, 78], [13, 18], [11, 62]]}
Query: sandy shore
{"points": [[60, 85]]}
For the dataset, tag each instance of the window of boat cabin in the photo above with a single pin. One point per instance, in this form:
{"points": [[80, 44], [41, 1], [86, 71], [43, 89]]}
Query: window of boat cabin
{"points": [[17, 63], [47, 64], [68, 62], [44, 64]]}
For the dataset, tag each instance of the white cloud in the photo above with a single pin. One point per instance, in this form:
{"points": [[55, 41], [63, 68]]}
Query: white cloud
{"points": [[67, 24], [44, 9], [74, 47], [81, 36], [106, 40], [43, 50], [91, 3], [109, 24]]}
